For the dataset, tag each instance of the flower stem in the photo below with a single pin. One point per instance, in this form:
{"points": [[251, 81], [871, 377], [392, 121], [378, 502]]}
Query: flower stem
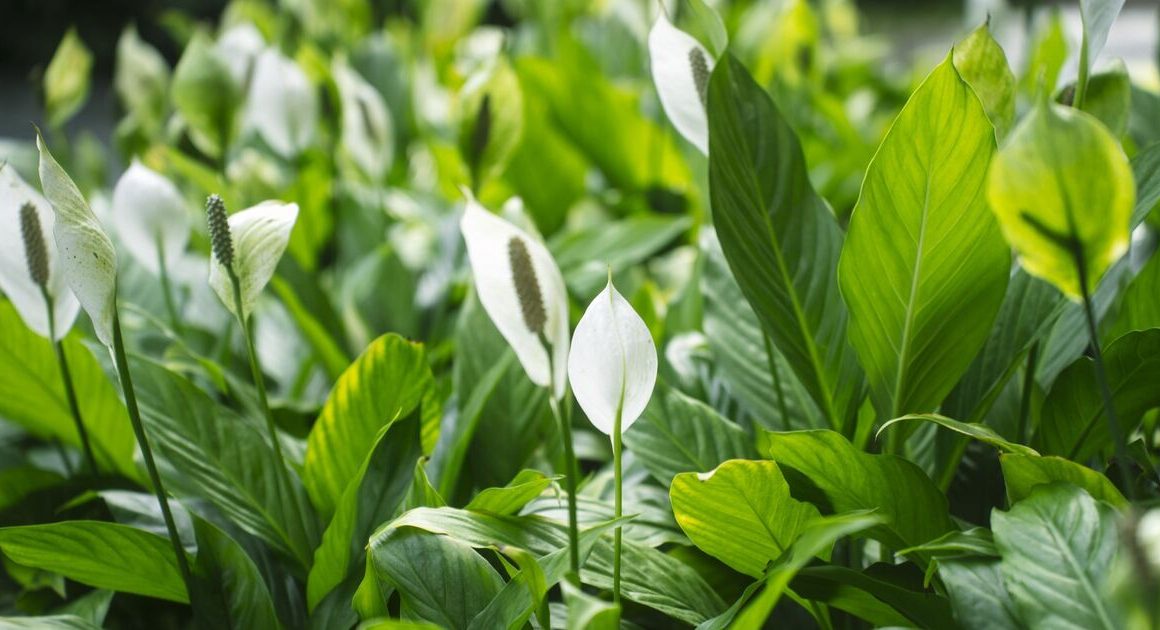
{"points": [[69, 390], [569, 483], [1102, 377], [256, 374], [167, 290], [147, 454], [617, 509], [1028, 388]]}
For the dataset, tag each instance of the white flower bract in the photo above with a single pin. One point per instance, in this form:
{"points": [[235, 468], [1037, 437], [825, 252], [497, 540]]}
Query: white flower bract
{"points": [[260, 235], [149, 215], [488, 239], [670, 52], [282, 105], [613, 362]]}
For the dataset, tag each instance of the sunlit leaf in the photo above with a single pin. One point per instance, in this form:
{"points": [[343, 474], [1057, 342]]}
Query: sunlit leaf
{"points": [[66, 80]]}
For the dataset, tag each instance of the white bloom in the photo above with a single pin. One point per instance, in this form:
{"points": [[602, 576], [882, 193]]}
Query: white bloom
{"points": [[613, 363], [260, 235], [367, 133], [148, 213], [88, 261], [15, 278], [522, 291], [1148, 537], [681, 68], [238, 47], [282, 106]]}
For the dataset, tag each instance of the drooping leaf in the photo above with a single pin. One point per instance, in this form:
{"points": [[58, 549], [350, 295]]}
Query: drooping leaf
{"points": [[981, 62], [32, 394], [612, 366], [66, 79], [225, 458], [88, 261], [680, 434], [385, 384], [1072, 422], [924, 267], [527, 485], [1062, 190], [780, 238], [980, 432], [740, 513], [1057, 546], [824, 468], [1024, 473], [228, 578], [102, 555]]}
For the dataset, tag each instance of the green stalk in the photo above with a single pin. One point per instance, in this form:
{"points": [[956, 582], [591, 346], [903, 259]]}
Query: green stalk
{"points": [[256, 373], [1082, 81], [618, 477], [569, 483], [1028, 388], [69, 390], [1102, 376], [167, 290], [147, 453]]}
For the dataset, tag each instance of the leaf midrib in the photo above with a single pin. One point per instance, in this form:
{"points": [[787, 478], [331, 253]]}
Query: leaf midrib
{"points": [[904, 350]]}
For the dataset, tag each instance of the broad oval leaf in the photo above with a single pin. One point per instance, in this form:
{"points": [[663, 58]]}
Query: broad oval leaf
{"points": [[842, 478], [1063, 191], [981, 62], [150, 216], [260, 235], [740, 513], [102, 555], [780, 238], [88, 261], [520, 287], [681, 67], [1058, 545], [1023, 473], [613, 364], [924, 267], [15, 277], [282, 105], [384, 384]]}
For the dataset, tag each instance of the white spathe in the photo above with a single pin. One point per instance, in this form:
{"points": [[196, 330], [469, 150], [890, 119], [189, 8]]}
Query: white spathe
{"points": [[282, 105], [238, 47], [149, 215], [488, 239], [367, 132], [15, 277], [87, 259], [260, 235], [613, 364], [670, 50]]}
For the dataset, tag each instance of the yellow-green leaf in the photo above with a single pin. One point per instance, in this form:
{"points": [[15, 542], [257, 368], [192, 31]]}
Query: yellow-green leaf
{"points": [[982, 64], [66, 80]]}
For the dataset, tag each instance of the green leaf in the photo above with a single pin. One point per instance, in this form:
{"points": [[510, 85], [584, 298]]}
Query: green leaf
{"points": [[1146, 170], [585, 255], [229, 579], [924, 268], [1062, 190], [492, 122], [48, 622], [374, 495], [1097, 17], [32, 393], [980, 432], [141, 79], [99, 554], [815, 540], [1047, 54], [588, 612], [386, 383], [981, 62], [1109, 97], [836, 586], [680, 434], [225, 458], [975, 588], [527, 485], [66, 80], [740, 513], [439, 578], [204, 92], [780, 238], [1072, 421], [1024, 473], [1058, 545], [840, 478], [1139, 304]]}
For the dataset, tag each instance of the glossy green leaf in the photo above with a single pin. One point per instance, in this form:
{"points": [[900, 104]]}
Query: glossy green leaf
{"points": [[225, 458], [1062, 190], [740, 513], [588, 612], [48, 622], [680, 434], [975, 589], [32, 394], [924, 267], [229, 579], [1109, 97], [1072, 422], [1058, 546], [527, 485], [102, 555], [840, 478], [843, 587], [981, 62], [780, 238], [980, 432], [1024, 473], [66, 79], [374, 495], [585, 255], [1139, 305], [385, 384]]}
